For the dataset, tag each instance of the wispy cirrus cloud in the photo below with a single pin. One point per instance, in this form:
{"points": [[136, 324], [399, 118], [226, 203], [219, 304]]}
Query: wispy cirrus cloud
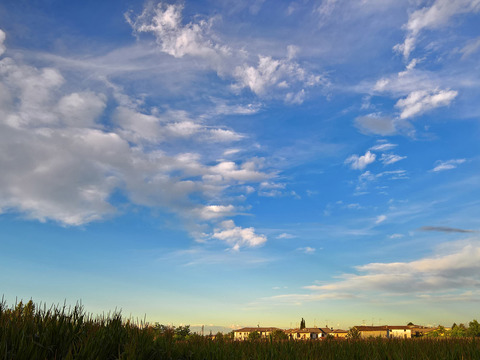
{"points": [[307, 250], [367, 178], [388, 159], [418, 102], [472, 47], [286, 236], [383, 146], [396, 236], [448, 165], [380, 219], [435, 16]]}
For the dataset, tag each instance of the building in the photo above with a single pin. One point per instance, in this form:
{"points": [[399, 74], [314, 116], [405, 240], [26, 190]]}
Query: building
{"points": [[399, 332], [338, 333], [307, 333], [373, 331], [385, 331], [244, 333]]}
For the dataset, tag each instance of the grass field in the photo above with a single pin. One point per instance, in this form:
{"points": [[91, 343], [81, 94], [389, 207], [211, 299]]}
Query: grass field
{"points": [[30, 332]]}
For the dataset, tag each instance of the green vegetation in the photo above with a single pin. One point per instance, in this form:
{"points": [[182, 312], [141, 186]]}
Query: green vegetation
{"points": [[30, 332], [458, 331], [279, 335], [254, 335], [353, 334]]}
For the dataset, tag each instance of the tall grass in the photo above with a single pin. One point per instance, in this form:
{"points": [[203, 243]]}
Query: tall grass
{"points": [[60, 332]]}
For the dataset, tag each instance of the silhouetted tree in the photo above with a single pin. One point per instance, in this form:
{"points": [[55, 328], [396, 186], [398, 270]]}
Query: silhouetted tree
{"points": [[302, 324], [458, 331], [474, 328], [279, 335], [182, 332], [354, 333]]}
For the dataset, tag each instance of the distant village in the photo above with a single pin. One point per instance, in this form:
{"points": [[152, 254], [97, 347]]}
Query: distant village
{"points": [[302, 332], [319, 333]]}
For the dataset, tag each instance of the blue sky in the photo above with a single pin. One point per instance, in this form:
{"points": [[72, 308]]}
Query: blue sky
{"points": [[240, 163]]}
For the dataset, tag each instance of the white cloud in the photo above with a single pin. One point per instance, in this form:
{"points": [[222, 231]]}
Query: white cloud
{"points": [[210, 212], [418, 102], [271, 185], [307, 250], [405, 82], [360, 162], [396, 236], [140, 127], [51, 175], [383, 146], [472, 47], [271, 73], [448, 165], [238, 236], [198, 39], [60, 162], [182, 129], [295, 98], [174, 38], [81, 109], [368, 177], [388, 159], [223, 108], [286, 236], [229, 152], [222, 135], [2, 40], [246, 172], [30, 94], [453, 270], [433, 17], [380, 219]]}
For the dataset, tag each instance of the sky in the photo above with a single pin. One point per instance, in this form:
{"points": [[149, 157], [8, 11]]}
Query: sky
{"points": [[241, 163]]}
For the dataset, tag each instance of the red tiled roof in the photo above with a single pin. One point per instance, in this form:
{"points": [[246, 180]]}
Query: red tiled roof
{"points": [[309, 330], [259, 329], [371, 328], [399, 327]]}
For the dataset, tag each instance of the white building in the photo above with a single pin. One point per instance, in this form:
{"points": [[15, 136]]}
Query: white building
{"points": [[243, 333]]}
